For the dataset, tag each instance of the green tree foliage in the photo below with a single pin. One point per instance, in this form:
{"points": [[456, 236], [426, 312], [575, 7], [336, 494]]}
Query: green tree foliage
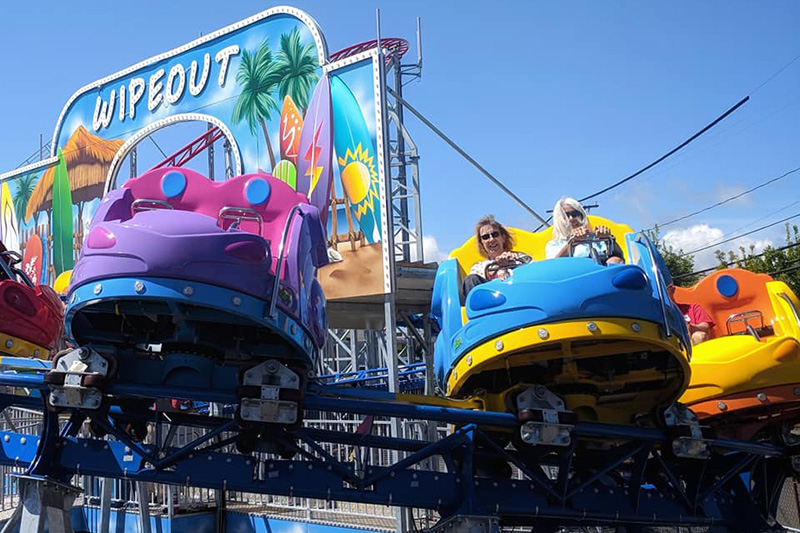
{"points": [[25, 186], [297, 69], [680, 266], [782, 263], [258, 77]]}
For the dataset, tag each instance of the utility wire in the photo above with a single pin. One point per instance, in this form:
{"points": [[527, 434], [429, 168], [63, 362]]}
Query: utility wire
{"points": [[787, 65], [466, 156], [726, 265], [731, 198], [157, 146], [759, 219], [739, 236], [784, 270], [677, 148], [719, 119]]}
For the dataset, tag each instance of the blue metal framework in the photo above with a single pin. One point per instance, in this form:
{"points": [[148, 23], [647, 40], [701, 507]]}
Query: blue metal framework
{"points": [[608, 475], [410, 377]]}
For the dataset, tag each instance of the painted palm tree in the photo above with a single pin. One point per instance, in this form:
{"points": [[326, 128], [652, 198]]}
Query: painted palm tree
{"points": [[297, 69], [25, 186], [257, 75]]}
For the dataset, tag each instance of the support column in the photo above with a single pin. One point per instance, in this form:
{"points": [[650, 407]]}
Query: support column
{"points": [[142, 493], [45, 501], [105, 504]]}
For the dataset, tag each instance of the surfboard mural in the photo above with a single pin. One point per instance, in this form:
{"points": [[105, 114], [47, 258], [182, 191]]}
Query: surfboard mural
{"points": [[61, 226], [286, 172], [291, 125], [315, 150], [9, 230], [32, 260], [357, 160], [331, 117]]}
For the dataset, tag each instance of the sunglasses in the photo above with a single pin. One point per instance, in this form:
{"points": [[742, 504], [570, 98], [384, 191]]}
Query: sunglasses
{"points": [[493, 235], [573, 214]]}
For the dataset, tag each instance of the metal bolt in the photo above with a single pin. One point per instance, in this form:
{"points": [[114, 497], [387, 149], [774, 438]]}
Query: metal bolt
{"points": [[469, 360], [543, 333], [98, 288], [237, 301], [294, 329], [272, 366], [636, 327], [36, 353], [498, 345], [7, 438], [591, 326], [9, 343], [139, 287], [761, 397], [722, 406], [188, 290]]}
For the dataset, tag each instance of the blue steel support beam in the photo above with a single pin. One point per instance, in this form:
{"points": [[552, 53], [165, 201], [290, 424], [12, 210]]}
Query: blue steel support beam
{"points": [[409, 488]]}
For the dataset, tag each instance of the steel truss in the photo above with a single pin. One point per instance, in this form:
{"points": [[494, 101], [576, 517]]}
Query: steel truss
{"points": [[608, 475]]}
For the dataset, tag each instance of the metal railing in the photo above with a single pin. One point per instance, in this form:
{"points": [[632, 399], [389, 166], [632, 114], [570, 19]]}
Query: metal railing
{"points": [[642, 239], [791, 306], [237, 214], [279, 265]]}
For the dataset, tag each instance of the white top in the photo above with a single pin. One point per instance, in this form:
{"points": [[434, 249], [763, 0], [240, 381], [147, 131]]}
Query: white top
{"points": [[552, 248], [479, 268]]}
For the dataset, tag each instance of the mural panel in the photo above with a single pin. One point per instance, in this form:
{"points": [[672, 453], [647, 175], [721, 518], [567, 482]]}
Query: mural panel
{"points": [[266, 84]]}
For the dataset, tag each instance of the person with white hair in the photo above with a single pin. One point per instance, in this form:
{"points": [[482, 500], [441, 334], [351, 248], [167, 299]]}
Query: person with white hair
{"points": [[571, 226]]}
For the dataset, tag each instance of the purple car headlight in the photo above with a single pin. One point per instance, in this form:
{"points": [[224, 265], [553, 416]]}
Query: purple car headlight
{"points": [[101, 238]]}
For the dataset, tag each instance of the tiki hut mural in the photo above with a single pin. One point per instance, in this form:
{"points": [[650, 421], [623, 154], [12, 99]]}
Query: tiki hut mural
{"points": [[87, 159]]}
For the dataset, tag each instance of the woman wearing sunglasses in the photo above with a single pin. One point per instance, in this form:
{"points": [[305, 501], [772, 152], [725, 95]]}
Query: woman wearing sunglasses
{"points": [[571, 225], [496, 244]]}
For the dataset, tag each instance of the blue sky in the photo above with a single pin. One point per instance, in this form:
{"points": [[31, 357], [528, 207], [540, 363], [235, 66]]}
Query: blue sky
{"points": [[557, 98]]}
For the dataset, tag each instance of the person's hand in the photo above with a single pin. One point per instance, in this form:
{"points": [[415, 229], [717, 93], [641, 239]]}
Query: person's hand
{"points": [[602, 231], [503, 274], [579, 234], [505, 259]]}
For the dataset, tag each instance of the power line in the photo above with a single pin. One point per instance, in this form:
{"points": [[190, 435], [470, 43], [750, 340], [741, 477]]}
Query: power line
{"points": [[759, 219], [784, 270], [662, 158], [726, 265], [466, 156], [731, 110], [677, 148], [157, 146], [731, 198], [739, 236], [775, 75]]}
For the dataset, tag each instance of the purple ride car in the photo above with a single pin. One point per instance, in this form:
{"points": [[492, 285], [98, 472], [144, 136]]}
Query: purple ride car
{"points": [[177, 259]]}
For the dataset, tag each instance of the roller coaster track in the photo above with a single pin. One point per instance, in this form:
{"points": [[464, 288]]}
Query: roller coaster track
{"points": [[608, 475]]}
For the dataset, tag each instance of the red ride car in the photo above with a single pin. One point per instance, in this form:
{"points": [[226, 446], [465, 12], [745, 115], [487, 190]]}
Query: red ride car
{"points": [[31, 316]]}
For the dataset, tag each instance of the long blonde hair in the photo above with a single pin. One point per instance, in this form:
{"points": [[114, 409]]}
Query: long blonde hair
{"points": [[561, 226]]}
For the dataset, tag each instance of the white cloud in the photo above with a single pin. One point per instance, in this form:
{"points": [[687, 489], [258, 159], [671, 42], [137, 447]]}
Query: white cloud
{"points": [[701, 235], [430, 250], [690, 239]]}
